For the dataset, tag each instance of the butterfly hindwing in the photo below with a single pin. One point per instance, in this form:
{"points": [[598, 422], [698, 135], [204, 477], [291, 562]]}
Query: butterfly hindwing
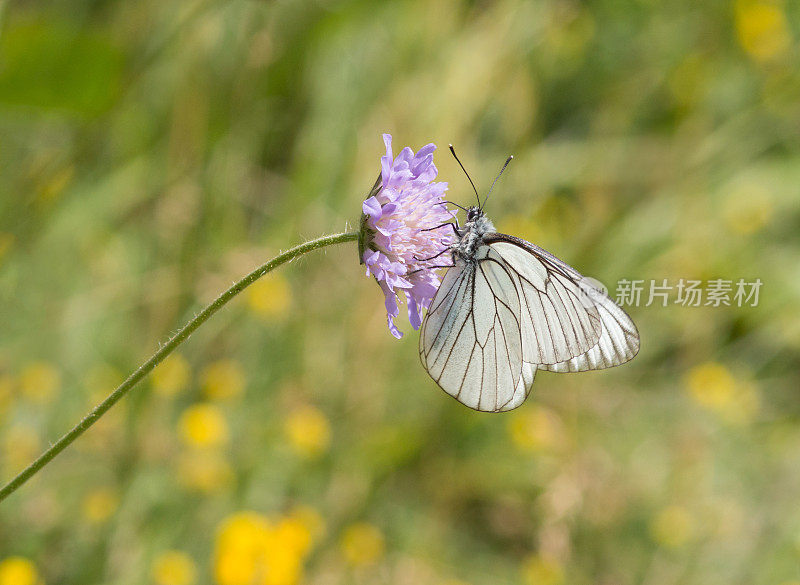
{"points": [[619, 343]]}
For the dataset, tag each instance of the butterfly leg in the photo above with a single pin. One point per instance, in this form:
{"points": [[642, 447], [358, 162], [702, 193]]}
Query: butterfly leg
{"points": [[452, 257], [452, 224], [432, 257], [442, 266], [430, 268]]}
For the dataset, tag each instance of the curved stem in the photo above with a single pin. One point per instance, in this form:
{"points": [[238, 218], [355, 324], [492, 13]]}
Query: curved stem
{"points": [[165, 350]]}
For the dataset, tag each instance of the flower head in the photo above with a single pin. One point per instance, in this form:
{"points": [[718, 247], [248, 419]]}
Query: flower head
{"points": [[399, 242]]}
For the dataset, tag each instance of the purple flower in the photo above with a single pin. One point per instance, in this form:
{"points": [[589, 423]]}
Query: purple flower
{"points": [[398, 244]]}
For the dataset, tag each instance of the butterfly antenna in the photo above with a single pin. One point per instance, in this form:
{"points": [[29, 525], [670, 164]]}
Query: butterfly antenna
{"points": [[453, 150], [508, 160], [454, 203]]}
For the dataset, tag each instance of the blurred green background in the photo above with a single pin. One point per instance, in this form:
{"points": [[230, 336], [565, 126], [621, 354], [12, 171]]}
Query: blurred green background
{"points": [[153, 152]]}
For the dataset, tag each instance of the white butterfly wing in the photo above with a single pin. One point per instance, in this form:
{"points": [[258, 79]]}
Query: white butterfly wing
{"points": [[557, 322], [602, 331], [516, 309], [471, 342], [618, 343]]}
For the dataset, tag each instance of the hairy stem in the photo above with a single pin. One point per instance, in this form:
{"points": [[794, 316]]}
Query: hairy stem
{"points": [[165, 350]]}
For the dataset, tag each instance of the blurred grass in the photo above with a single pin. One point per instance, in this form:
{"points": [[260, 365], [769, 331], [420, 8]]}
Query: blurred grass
{"points": [[151, 153]]}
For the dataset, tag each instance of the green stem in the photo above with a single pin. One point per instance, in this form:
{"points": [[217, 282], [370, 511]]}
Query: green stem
{"points": [[165, 350]]}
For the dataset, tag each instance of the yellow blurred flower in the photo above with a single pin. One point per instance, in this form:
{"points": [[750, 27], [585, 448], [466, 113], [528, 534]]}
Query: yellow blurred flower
{"points": [[710, 384], [241, 560], [713, 386], [203, 425], [672, 527], [251, 550], [762, 29], [270, 296], [18, 571], [362, 544], [172, 375], [204, 471], [293, 534], [174, 567], [99, 504], [535, 429], [20, 446], [39, 382], [308, 431], [539, 570], [223, 379]]}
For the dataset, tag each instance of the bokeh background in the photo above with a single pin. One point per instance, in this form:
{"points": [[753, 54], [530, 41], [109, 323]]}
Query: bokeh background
{"points": [[153, 152]]}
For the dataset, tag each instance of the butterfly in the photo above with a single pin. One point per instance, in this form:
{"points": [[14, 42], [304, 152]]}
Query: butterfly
{"points": [[507, 308]]}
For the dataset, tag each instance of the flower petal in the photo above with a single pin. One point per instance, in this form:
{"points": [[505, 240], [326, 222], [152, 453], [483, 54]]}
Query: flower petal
{"points": [[371, 207], [426, 150], [400, 246]]}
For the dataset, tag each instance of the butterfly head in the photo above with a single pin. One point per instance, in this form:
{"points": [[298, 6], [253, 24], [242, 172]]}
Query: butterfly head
{"points": [[477, 222], [473, 213]]}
